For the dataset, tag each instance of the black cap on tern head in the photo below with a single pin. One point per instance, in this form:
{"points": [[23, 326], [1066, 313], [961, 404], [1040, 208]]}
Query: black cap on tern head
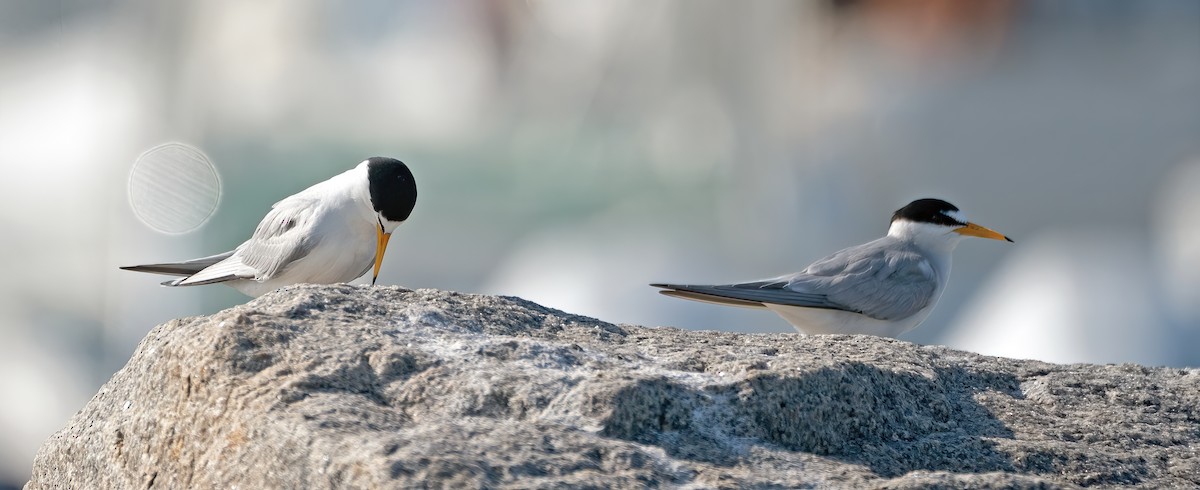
{"points": [[934, 211], [393, 189]]}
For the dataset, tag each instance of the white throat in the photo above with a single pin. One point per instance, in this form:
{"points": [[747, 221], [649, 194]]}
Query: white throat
{"points": [[927, 236], [937, 241]]}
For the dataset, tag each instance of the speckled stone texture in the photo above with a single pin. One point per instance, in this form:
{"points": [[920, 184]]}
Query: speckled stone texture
{"points": [[356, 387]]}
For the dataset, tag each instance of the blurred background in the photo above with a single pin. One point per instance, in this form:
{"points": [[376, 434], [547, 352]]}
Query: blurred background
{"points": [[570, 152]]}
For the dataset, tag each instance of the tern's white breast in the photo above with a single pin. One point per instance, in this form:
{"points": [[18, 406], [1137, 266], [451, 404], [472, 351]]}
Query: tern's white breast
{"points": [[818, 321]]}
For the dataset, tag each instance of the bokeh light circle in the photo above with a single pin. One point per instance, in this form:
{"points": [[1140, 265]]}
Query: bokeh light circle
{"points": [[174, 188]]}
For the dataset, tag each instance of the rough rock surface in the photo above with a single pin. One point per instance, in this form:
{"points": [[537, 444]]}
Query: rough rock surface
{"points": [[344, 386]]}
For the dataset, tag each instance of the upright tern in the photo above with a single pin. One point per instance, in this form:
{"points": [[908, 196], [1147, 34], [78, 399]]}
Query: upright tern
{"points": [[334, 231], [884, 287]]}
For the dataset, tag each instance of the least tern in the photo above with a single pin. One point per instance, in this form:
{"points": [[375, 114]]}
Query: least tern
{"points": [[334, 231], [884, 287]]}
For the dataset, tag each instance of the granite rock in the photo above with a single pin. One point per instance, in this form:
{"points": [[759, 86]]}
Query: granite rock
{"points": [[357, 387]]}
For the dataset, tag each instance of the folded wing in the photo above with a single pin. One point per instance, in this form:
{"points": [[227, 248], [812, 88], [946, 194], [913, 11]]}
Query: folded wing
{"points": [[280, 239], [880, 280], [749, 294]]}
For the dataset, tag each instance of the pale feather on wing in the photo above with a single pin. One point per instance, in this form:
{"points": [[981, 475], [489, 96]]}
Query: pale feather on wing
{"points": [[281, 238], [225, 270]]}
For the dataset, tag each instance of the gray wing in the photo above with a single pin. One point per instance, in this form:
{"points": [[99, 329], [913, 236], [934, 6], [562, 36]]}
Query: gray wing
{"points": [[281, 238], [883, 279]]}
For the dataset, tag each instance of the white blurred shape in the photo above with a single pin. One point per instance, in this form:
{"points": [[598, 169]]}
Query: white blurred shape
{"points": [[174, 188], [72, 104], [602, 267], [423, 86], [246, 59], [66, 120], [580, 271], [1176, 233], [1068, 296], [265, 66], [60, 115], [584, 24]]}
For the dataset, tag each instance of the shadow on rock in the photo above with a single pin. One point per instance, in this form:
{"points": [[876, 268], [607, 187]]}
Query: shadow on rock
{"points": [[892, 422], [673, 416]]}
